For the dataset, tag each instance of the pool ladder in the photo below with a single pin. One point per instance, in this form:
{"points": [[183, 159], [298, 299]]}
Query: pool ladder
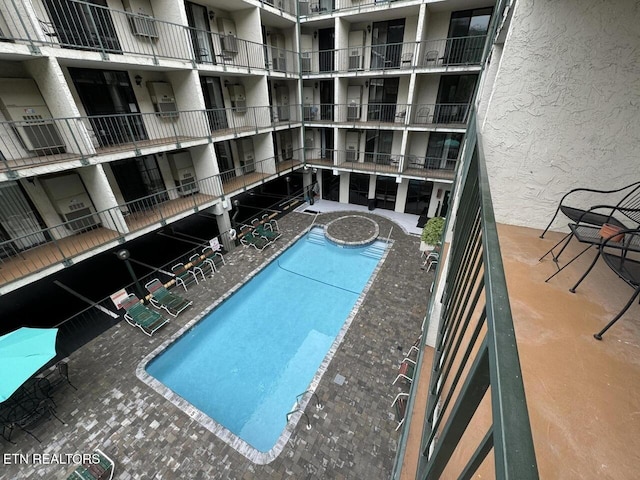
{"points": [[297, 408]]}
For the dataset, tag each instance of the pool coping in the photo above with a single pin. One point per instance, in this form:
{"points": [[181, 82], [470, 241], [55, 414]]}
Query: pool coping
{"points": [[358, 243], [224, 434]]}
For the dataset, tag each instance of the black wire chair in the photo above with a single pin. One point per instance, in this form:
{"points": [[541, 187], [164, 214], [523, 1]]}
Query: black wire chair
{"points": [[629, 197], [616, 256]]}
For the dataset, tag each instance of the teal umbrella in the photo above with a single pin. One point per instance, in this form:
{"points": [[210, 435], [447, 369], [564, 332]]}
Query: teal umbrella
{"points": [[22, 353]]}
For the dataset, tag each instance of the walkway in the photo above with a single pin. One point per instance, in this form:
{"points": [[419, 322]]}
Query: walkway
{"points": [[352, 437]]}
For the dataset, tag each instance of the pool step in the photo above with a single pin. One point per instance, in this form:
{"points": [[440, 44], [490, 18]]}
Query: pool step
{"points": [[316, 236], [375, 250]]}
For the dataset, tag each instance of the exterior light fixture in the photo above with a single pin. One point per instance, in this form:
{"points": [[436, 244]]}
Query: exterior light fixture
{"points": [[368, 28], [138, 80], [315, 34], [366, 84], [212, 15]]}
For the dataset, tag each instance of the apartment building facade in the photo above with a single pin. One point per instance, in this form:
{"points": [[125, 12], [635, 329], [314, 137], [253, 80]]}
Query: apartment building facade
{"points": [[119, 117]]}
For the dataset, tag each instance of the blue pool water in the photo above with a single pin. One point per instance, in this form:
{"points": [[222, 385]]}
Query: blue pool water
{"points": [[246, 361]]}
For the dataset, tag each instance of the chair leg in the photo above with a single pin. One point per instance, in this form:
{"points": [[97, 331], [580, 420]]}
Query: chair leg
{"points": [[570, 262], [552, 219], [550, 251], [598, 336], [584, 275]]}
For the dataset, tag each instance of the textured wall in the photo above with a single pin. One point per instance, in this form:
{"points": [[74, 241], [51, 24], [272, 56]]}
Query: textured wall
{"points": [[564, 110]]}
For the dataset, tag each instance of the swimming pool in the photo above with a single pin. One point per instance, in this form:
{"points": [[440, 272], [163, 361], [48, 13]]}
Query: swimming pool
{"points": [[248, 358]]}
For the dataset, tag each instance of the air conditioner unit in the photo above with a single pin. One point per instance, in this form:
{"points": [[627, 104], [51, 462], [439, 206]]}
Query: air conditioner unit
{"points": [[229, 44], [39, 135], [163, 99], [22, 103], [280, 64], [287, 152], [305, 62], [352, 154], [143, 25], [247, 157], [303, 8], [238, 98], [80, 219], [356, 60], [187, 182], [352, 143], [354, 98]]}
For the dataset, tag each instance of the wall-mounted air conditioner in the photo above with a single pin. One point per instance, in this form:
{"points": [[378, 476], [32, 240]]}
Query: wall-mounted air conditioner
{"points": [[238, 98], [70, 199], [184, 173], [303, 7], [228, 39], [356, 47], [354, 98], [352, 143], [22, 103], [143, 25], [163, 99], [305, 62], [247, 156]]}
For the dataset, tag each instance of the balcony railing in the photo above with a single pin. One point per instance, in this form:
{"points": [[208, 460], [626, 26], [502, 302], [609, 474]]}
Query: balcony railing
{"points": [[81, 25], [476, 376], [78, 234], [309, 8], [446, 52], [26, 144], [246, 175], [390, 114], [288, 6]]}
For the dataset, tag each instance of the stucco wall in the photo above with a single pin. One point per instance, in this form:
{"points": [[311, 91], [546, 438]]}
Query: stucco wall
{"points": [[565, 107]]}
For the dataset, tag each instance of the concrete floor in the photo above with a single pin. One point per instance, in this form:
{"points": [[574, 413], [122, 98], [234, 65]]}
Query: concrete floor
{"points": [[148, 437], [583, 395]]}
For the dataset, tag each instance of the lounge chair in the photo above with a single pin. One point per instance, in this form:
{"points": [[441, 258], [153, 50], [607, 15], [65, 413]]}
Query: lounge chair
{"points": [[406, 371], [414, 348], [400, 402], [102, 470], [163, 298], [256, 241], [270, 223], [138, 315], [186, 276], [200, 265], [265, 230], [210, 255]]}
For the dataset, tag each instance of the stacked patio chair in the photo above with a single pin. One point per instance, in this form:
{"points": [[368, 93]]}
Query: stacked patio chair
{"points": [[210, 255], [406, 370], [138, 315], [265, 229], [186, 276], [202, 265], [400, 404], [254, 240], [162, 298]]}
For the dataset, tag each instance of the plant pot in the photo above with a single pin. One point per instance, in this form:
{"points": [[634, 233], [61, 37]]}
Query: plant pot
{"points": [[607, 230]]}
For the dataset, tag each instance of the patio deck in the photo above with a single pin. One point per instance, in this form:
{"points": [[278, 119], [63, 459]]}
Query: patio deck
{"points": [[148, 437], [583, 395]]}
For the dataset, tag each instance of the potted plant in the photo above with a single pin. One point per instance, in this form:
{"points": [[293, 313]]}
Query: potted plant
{"points": [[431, 234]]}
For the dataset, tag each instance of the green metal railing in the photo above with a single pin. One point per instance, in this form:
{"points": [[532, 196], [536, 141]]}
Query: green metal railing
{"points": [[475, 350]]}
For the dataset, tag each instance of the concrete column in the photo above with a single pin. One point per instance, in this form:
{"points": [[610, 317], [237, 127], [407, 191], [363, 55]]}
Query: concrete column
{"points": [[344, 187], [103, 198], [401, 196]]}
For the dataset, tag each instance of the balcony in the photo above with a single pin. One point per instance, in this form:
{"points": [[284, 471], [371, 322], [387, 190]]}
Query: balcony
{"points": [[311, 8], [28, 144], [445, 54], [50, 249], [78, 25], [248, 175], [435, 116]]}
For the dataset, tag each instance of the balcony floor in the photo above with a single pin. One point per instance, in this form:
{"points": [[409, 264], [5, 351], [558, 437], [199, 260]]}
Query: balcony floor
{"points": [[583, 395]]}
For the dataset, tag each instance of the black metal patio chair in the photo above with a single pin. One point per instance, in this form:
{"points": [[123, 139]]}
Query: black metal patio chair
{"points": [[592, 235], [628, 196], [616, 257], [624, 201]]}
